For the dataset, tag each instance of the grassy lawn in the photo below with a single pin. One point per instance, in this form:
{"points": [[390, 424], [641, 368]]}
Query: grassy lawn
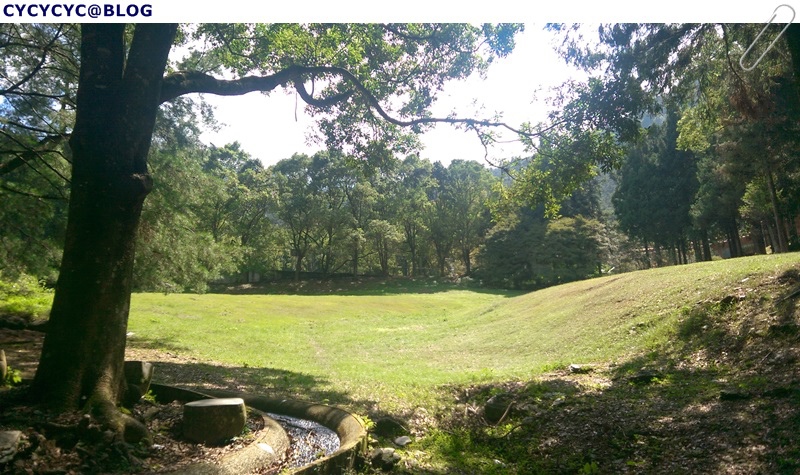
{"points": [[394, 350], [367, 347]]}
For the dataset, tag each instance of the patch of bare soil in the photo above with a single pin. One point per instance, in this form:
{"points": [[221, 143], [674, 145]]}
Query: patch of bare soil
{"points": [[22, 348]]}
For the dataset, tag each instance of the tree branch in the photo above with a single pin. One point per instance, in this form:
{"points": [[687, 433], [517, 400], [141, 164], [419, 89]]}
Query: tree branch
{"points": [[32, 195], [37, 68], [186, 82], [328, 101]]}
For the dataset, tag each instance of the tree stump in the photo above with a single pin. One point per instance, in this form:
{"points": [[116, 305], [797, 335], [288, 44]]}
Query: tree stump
{"points": [[213, 421], [138, 375]]}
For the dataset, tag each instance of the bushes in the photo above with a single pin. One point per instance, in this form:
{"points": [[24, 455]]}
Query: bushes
{"points": [[24, 298], [538, 253]]}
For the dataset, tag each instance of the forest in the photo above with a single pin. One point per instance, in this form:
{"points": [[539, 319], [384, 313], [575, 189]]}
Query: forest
{"points": [[700, 162]]}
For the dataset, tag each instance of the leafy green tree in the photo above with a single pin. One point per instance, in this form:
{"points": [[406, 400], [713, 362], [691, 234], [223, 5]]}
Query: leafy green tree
{"points": [[502, 260], [440, 219], [384, 236], [330, 175], [412, 197], [467, 189], [657, 187], [735, 112], [178, 247], [361, 199], [531, 251], [568, 251], [297, 205]]}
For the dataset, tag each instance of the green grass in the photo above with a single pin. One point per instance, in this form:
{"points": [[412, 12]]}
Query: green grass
{"points": [[398, 350]]}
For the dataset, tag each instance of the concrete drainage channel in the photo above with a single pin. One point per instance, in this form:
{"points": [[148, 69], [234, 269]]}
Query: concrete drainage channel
{"points": [[271, 447]]}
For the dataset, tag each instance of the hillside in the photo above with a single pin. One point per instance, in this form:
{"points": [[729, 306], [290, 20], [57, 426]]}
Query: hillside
{"points": [[690, 370]]}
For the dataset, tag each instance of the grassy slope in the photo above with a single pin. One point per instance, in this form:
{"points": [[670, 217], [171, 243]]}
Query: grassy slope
{"points": [[396, 349]]}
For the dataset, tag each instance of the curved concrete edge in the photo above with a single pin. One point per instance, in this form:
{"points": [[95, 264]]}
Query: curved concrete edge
{"points": [[246, 460], [352, 434]]}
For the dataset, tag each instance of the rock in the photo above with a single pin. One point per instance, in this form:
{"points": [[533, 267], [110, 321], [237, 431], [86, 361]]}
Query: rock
{"points": [[497, 407], [213, 421], [580, 368], [384, 458], [266, 448], [402, 441], [388, 427], [9, 444]]}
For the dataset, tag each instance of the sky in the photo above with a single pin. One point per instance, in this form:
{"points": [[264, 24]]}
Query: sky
{"points": [[274, 127]]}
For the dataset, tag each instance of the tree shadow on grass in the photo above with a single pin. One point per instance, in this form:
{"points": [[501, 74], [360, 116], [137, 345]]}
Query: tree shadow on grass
{"points": [[269, 382], [722, 397], [158, 344]]}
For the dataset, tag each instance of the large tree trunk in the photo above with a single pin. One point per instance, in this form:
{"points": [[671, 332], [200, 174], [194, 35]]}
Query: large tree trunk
{"points": [[83, 354]]}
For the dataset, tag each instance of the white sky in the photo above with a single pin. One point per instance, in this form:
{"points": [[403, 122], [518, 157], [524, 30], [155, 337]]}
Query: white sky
{"points": [[267, 129], [272, 128]]}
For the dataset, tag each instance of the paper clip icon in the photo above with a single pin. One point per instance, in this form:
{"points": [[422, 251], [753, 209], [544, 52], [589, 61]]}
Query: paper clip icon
{"points": [[774, 14]]}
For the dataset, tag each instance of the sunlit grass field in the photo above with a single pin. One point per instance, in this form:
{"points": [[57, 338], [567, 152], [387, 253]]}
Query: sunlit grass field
{"points": [[393, 348]]}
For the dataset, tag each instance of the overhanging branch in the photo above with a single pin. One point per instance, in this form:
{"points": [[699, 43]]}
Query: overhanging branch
{"points": [[187, 82]]}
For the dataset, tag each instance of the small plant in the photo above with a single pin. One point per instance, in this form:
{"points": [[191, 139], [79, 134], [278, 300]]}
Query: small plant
{"points": [[25, 297], [149, 397], [590, 468], [13, 377], [368, 423]]}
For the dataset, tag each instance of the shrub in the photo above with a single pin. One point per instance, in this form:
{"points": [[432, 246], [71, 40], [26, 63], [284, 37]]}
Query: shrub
{"points": [[25, 297]]}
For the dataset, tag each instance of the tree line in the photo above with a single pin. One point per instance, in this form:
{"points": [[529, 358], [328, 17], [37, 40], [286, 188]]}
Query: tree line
{"points": [[321, 215], [707, 155]]}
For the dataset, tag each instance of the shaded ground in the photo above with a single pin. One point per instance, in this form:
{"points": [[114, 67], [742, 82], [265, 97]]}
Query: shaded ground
{"points": [[22, 348]]}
